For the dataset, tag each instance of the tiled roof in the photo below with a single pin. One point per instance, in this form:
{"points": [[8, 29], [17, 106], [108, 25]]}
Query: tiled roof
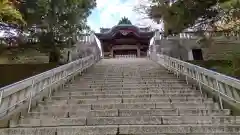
{"points": [[109, 33]]}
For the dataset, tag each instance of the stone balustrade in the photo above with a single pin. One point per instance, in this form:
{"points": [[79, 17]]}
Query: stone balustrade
{"points": [[225, 86], [125, 56], [195, 35], [22, 94], [15, 95], [86, 38]]}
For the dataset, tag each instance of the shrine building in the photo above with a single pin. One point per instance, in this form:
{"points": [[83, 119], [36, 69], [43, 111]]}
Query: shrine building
{"points": [[124, 39]]}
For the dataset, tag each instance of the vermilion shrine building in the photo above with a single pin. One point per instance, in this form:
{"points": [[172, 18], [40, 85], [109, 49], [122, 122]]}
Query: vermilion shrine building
{"points": [[125, 39]]}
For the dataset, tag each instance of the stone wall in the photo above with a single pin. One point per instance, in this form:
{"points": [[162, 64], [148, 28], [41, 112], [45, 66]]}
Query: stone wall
{"points": [[221, 50], [80, 50], [176, 48], [182, 48]]}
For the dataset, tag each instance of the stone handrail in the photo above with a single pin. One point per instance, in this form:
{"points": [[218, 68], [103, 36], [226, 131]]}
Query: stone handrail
{"points": [[13, 97], [19, 93], [196, 34], [223, 85], [87, 38]]}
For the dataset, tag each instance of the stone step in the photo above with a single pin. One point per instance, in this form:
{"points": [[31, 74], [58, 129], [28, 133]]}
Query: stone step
{"points": [[150, 86], [133, 80], [138, 87], [96, 96], [125, 83], [119, 79], [124, 88], [129, 106], [162, 120], [162, 100], [157, 81], [75, 113], [173, 112], [172, 120], [83, 101], [63, 107], [62, 130], [131, 89], [134, 87], [126, 100], [128, 113], [126, 130], [108, 92], [179, 129], [141, 89], [118, 87], [42, 122], [85, 92], [128, 81], [127, 74], [135, 120]]}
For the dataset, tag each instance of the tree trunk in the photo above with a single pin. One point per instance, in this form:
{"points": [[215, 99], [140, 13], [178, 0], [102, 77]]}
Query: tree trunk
{"points": [[54, 55]]}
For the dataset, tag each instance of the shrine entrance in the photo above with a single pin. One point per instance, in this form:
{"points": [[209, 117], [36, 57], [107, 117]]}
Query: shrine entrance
{"points": [[125, 53], [125, 40]]}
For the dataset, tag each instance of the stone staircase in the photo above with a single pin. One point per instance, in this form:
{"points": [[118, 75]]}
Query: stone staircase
{"points": [[133, 96]]}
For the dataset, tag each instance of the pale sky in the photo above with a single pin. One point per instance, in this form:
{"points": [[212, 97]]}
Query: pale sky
{"points": [[109, 12]]}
